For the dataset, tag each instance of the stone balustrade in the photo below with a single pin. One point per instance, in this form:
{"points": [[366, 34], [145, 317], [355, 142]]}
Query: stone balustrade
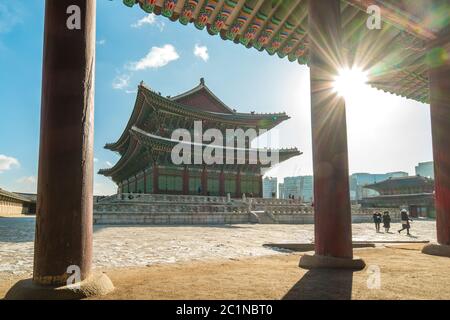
{"points": [[153, 198], [188, 209]]}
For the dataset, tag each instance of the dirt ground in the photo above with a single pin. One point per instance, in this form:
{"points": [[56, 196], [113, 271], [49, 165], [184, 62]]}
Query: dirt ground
{"points": [[121, 246], [404, 273]]}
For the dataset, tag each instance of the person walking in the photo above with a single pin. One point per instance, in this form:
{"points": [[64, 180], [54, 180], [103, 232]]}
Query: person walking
{"points": [[386, 221], [405, 222], [377, 220]]}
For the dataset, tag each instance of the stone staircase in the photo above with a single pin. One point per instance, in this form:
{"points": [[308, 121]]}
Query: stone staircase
{"points": [[263, 217]]}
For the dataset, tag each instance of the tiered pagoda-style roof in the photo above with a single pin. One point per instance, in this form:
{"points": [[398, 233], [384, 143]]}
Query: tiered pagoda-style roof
{"points": [[147, 136], [395, 56], [198, 104]]}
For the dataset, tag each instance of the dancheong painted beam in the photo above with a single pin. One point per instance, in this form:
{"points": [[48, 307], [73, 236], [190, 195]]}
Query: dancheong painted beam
{"points": [[395, 56]]}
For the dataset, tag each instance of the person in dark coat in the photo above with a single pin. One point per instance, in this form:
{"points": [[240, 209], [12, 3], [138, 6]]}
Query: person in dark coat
{"points": [[377, 220], [405, 222], [386, 221]]}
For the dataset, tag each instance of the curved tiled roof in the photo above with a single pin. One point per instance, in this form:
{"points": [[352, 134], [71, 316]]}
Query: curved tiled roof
{"points": [[401, 182], [141, 140], [14, 196], [202, 97], [147, 101], [394, 57]]}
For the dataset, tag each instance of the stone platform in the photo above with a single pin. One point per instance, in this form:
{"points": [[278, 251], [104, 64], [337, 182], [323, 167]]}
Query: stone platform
{"points": [[210, 210]]}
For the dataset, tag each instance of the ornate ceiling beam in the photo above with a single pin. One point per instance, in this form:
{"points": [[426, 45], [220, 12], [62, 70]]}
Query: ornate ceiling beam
{"points": [[397, 17]]}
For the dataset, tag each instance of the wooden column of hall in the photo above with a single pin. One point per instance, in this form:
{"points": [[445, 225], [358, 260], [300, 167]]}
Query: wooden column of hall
{"points": [[185, 180], [222, 183], [204, 181], [332, 209], [238, 184], [155, 178], [440, 124], [260, 182], [145, 180], [65, 196]]}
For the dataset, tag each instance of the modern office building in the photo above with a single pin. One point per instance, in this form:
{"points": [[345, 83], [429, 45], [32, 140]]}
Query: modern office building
{"points": [[270, 186], [301, 187], [425, 169]]}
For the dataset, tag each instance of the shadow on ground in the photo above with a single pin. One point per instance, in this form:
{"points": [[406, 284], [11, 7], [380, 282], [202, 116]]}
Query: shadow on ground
{"points": [[322, 284]]}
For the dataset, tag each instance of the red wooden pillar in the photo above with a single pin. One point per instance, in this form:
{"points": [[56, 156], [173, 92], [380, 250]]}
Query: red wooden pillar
{"points": [[204, 181], [63, 239], [185, 180], [260, 181], [222, 183], [332, 210], [155, 178], [65, 195], [440, 124], [145, 181], [238, 184]]}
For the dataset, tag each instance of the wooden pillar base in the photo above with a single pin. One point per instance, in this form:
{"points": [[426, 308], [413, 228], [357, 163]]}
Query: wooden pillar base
{"points": [[436, 249], [315, 261], [95, 285]]}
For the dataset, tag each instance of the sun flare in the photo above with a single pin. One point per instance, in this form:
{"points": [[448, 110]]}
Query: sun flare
{"points": [[350, 82]]}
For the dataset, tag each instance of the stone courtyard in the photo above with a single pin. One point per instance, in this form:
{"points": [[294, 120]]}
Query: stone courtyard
{"points": [[134, 246]]}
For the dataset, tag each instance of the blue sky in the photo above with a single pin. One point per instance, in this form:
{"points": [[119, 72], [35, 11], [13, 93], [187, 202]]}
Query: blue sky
{"points": [[386, 133]]}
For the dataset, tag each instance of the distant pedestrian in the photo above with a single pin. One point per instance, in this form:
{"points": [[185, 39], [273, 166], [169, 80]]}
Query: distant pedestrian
{"points": [[377, 221], [386, 221], [405, 222]]}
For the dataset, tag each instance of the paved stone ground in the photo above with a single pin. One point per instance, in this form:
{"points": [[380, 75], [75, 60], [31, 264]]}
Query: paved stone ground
{"points": [[121, 246]]}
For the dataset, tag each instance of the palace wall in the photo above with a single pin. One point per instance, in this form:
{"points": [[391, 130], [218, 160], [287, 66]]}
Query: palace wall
{"points": [[12, 207]]}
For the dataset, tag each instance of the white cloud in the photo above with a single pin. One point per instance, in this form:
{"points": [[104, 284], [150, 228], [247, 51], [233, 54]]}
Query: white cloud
{"points": [[95, 160], [7, 163], [121, 82], [27, 180], [101, 42], [109, 164], [27, 184], [151, 19], [201, 52], [156, 58], [105, 189]]}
